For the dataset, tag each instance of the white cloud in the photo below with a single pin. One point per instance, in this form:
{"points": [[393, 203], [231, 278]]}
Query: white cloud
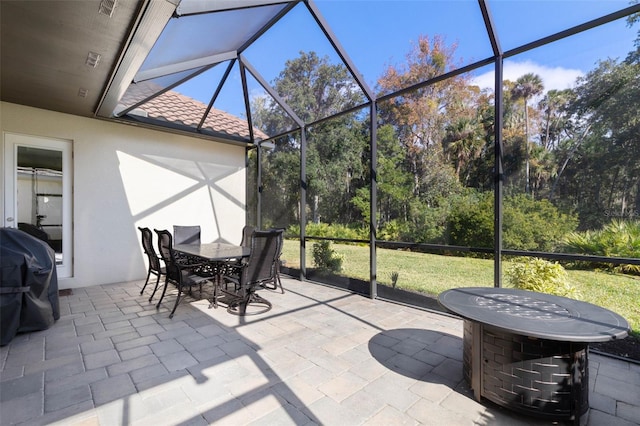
{"points": [[557, 78]]}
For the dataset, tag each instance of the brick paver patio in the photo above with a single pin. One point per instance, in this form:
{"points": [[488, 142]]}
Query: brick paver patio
{"points": [[320, 356]]}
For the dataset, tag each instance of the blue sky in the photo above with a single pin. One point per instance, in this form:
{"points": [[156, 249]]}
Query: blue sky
{"points": [[379, 33]]}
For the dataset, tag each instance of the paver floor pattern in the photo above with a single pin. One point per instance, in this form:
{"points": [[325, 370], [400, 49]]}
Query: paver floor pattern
{"points": [[320, 356]]}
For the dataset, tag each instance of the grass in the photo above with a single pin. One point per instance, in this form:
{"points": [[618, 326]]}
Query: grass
{"points": [[431, 274]]}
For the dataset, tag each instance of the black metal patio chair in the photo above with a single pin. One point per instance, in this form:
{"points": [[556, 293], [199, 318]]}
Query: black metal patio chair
{"points": [[180, 274], [277, 282], [234, 266], [155, 262], [259, 270], [247, 232], [190, 234], [186, 234]]}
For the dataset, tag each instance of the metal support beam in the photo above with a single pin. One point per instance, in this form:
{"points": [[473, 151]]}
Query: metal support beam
{"points": [[259, 185], [216, 93], [575, 30], [160, 92], [373, 182], [247, 106], [197, 7], [184, 66], [267, 26], [437, 79], [498, 173], [324, 26], [266, 86], [491, 29], [303, 202]]}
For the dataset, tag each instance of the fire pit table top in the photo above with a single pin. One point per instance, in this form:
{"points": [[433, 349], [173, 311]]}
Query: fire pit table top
{"points": [[535, 314]]}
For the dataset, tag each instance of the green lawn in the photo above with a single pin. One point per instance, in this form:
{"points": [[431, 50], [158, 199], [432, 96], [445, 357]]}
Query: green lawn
{"points": [[432, 274]]}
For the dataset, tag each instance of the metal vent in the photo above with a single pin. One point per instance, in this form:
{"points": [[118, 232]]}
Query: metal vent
{"points": [[82, 92], [107, 7], [92, 59]]}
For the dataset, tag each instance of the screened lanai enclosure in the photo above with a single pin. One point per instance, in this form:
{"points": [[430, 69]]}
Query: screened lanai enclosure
{"points": [[408, 147]]}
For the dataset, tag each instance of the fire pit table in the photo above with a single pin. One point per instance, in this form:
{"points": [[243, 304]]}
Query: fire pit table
{"points": [[528, 351]]}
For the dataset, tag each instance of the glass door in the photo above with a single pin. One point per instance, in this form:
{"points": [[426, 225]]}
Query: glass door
{"points": [[38, 193]]}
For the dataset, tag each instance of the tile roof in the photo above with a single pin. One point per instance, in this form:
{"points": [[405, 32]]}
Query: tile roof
{"points": [[174, 107]]}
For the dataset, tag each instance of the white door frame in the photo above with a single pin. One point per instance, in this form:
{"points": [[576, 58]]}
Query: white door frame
{"points": [[11, 143]]}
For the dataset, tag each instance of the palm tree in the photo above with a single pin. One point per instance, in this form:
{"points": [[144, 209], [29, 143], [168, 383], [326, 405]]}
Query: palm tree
{"points": [[461, 142], [526, 87]]}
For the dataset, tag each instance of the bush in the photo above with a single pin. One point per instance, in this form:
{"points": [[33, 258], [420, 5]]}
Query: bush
{"points": [[541, 276], [617, 239], [528, 224], [325, 258], [393, 230], [428, 224], [326, 230], [470, 222], [534, 224]]}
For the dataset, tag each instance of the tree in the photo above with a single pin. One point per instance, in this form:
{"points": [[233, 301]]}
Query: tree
{"points": [[463, 141], [280, 185], [603, 180], [395, 184], [634, 56], [526, 87], [314, 88], [556, 121], [337, 165], [420, 117]]}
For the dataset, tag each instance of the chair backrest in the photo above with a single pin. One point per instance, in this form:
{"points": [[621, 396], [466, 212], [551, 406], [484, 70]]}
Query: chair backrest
{"points": [[265, 251], [165, 247], [186, 234], [247, 231], [147, 245], [280, 236]]}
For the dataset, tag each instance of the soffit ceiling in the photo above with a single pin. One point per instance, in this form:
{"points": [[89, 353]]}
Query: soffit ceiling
{"points": [[45, 49], [76, 57]]}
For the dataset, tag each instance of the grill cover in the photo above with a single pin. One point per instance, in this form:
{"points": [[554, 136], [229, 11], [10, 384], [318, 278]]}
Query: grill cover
{"points": [[28, 284]]}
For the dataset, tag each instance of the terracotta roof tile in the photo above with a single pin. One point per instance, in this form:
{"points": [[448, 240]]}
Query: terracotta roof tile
{"points": [[175, 107]]}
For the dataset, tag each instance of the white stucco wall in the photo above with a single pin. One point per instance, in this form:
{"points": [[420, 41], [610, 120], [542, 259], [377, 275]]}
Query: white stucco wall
{"points": [[125, 177]]}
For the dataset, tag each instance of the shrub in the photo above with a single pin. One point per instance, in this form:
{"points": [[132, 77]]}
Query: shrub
{"points": [[428, 224], [542, 276], [528, 224], [617, 239], [394, 278], [392, 230], [325, 258], [321, 229], [534, 224], [470, 221]]}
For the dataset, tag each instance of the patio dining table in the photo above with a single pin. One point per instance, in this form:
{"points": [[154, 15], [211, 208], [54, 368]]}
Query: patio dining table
{"points": [[216, 254], [213, 252]]}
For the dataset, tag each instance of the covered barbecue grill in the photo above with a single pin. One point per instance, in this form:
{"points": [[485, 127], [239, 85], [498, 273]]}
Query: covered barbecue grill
{"points": [[28, 284]]}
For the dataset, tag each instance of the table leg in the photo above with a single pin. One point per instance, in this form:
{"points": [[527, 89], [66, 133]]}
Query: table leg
{"points": [[476, 361], [217, 282]]}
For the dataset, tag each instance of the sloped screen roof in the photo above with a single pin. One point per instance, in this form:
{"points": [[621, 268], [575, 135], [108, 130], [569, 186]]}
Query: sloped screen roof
{"points": [[200, 67], [202, 36], [199, 36]]}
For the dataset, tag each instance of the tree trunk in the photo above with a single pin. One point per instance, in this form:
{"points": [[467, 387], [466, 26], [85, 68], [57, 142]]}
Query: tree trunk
{"points": [[636, 212], [526, 142], [612, 189], [572, 151]]}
